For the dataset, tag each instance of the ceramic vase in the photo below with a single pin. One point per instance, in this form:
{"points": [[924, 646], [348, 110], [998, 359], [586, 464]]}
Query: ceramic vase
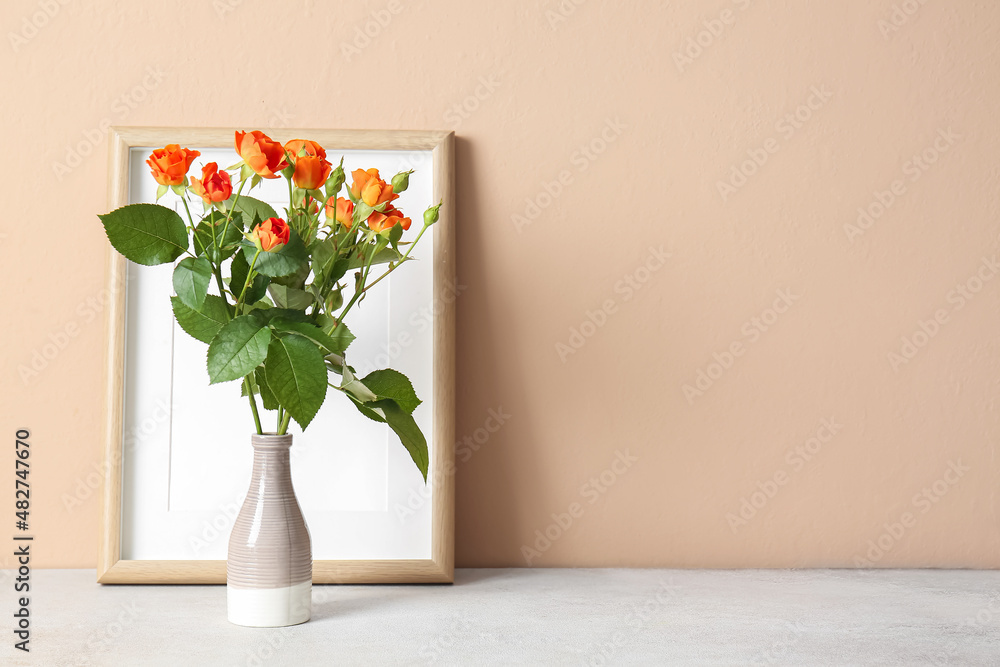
{"points": [[269, 569]]}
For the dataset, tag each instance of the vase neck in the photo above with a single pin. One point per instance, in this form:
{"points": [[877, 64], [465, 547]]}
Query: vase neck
{"points": [[270, 457], [271, 442]]}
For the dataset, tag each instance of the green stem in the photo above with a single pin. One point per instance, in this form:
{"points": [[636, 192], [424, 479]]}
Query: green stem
{"points": [[402, 259], [229, 214], [186, 208], [357, 294], [215, 269], [190, 221], [283, 427], [222, 289], [253, 405], [313, 222], [246, 283], [281, 415]]}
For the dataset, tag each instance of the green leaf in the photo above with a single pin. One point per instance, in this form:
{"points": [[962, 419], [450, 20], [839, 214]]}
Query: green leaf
{"points": [[367, 411], [296, 280], [328, 267], [289, 297], [355, 388], [204, 242], [343, 336], [409, 433], [335, 363], [325, 322], [265, 315], [204, 323], [395, 233], [361, 212], [238, 348], [262, 304], [282, 262], [381, 257], [332, 345], [191, 278], [388, 411], [322, 252], [295, 372], [147, 234], [250, 207], [389, 383], [338, 332], [238, 276], [266, 396]]}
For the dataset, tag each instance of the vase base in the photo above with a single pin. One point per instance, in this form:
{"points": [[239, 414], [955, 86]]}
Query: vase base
{"points": [[269, 607]]}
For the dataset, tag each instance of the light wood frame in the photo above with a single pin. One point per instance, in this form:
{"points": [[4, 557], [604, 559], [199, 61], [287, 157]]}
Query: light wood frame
{"points": [[111, 568]]}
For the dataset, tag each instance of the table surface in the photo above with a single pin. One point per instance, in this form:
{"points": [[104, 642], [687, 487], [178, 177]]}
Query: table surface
{"points": [[535, 617]]}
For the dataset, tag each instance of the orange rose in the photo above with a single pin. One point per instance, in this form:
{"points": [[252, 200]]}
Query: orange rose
{"points": [[361, 177], [342, 213], [392, 217], [214, 185], [270, 234], [369, 187], [170, 165], [264, 156], [311, 172], [396, 217], [311, 167], [296, 147]]}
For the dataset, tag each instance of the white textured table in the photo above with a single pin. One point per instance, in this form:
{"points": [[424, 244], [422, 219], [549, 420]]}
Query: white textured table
{"points": [[535, 617]]}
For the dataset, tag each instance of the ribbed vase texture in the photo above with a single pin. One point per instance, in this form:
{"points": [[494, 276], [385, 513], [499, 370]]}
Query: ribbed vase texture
{"points": [[269, 570]]}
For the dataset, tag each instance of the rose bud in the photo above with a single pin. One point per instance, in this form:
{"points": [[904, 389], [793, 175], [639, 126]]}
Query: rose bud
{"points": [[334, 301], [336, 180], [170, 165], [312, 206], [214, 185], [431, 215], [270, 234], [265, 157], [401, 181]]}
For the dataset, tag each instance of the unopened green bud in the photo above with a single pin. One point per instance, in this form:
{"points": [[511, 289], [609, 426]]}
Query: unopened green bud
{"points": [[401, 181], [336, 180], [334, 301], [431, 215]]}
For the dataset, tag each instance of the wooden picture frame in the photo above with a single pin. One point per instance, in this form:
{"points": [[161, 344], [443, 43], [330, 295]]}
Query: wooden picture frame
{"points": [[439, 568]]}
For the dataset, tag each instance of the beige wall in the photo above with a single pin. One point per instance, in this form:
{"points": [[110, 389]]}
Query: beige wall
{"points": [[814, 308]]}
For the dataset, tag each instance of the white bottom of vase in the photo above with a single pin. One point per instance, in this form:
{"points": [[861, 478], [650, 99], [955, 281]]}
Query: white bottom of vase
{"points": [[269, 607]]}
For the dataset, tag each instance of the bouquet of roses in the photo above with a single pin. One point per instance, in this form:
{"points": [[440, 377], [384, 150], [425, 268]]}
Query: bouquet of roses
{"points": [[277, 323]]}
